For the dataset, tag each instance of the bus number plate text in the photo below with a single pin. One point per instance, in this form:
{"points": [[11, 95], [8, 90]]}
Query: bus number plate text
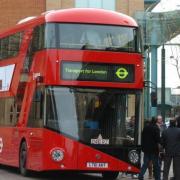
{"points": [[97, 165]]}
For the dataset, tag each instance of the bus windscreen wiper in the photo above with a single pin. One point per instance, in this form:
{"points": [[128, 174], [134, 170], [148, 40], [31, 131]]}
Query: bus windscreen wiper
{"points": [[86, 46], [91, 47], [111, 48]]}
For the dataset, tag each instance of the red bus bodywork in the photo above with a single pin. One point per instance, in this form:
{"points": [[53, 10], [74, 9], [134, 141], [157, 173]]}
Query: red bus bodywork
{"points": [[45, 70]]}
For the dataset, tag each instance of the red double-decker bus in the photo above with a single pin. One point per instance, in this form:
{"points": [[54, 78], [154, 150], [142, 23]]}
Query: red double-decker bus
{"points": [[70, 93]]}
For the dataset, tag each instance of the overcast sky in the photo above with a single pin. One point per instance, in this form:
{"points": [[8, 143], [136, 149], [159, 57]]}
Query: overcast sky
{"points": [[172, 79], [167, 5]]}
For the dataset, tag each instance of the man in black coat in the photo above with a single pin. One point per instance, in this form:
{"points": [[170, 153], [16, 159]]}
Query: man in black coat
{"points": [[150, 147], [171, 144]]}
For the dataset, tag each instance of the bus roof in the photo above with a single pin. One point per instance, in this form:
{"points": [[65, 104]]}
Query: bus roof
{"points": [[90, 15]]}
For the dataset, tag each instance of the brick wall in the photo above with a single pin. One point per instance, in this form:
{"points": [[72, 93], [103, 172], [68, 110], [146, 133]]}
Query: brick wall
{"points": [[135, 5], [53, 4], [59, 4], [11, 11], [67, 4], [129, 7]]}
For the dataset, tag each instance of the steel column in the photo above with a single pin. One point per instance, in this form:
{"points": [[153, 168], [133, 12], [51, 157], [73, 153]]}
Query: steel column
{"points": [[163, 85], [154, 75]]}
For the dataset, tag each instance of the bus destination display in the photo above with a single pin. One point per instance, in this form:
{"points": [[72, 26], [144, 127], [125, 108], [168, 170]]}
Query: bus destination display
{"points": [[97, 72]]}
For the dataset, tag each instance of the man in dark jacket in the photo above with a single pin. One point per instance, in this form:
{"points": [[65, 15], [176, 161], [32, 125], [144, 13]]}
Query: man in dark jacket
{"points": [[150, 147], [171, 143]]}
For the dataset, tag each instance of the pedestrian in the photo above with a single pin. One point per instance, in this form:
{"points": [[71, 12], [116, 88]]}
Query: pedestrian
{"points": [[150, 146], [167, 145], [150, 170], [160, 124], [177, 157], [162, 127], [150, 166], [171, 144]]}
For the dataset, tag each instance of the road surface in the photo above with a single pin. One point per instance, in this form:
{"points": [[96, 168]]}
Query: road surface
{"points": [[9, 173]]}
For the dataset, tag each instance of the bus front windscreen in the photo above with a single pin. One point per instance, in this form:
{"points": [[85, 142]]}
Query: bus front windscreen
{"points": [[92, 37], [93, 116]]}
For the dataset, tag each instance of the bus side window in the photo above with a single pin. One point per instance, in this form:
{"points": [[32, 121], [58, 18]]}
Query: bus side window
{"points": [[36, 111], [10, 45], [14, 44], [28, 58], [36, 43], [8, 113], [11, 108], [2, 111], [4, 47], [38, 38]]}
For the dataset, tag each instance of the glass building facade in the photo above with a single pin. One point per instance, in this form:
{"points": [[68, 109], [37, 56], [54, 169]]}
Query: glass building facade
{"points": [[104, 4]]}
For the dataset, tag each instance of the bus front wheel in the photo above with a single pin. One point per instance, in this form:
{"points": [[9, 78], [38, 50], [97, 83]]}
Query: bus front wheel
{"points": [[23, 159], [110, 175]]}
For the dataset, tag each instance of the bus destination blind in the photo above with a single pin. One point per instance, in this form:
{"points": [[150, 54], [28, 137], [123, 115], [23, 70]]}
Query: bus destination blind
{"points": [[81, 71]]}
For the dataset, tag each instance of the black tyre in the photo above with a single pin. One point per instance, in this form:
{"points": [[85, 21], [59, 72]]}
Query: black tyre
{"points": [[110, 175], [23, 159]]}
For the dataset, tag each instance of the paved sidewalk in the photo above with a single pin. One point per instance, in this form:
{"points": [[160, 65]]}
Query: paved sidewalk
{"points": [[128, 177]]}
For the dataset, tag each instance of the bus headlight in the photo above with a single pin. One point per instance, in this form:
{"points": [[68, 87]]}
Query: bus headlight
{"points": [[133, 156], [57, 155]]}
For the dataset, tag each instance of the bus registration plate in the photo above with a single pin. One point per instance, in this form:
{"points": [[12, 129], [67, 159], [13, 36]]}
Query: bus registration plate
{"points": [[97, 165]]}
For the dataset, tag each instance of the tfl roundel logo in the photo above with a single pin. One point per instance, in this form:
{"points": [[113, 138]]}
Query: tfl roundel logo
{"points": [[122, 73]]}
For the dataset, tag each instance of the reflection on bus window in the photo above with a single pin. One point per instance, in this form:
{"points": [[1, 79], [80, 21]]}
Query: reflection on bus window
{"points": [[36, 111], [9, 111], [131, 127], [90, 37]]}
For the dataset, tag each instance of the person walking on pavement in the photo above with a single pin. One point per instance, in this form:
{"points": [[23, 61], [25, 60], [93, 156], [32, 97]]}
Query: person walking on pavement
{"points": [[162, 127], [160, 124], [177, 157], [168, 143], [150, 166], [150, 146], [171, 144]]}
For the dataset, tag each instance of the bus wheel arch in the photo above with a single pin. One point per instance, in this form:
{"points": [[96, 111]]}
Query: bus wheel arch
{"points": [[23, 158]]}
